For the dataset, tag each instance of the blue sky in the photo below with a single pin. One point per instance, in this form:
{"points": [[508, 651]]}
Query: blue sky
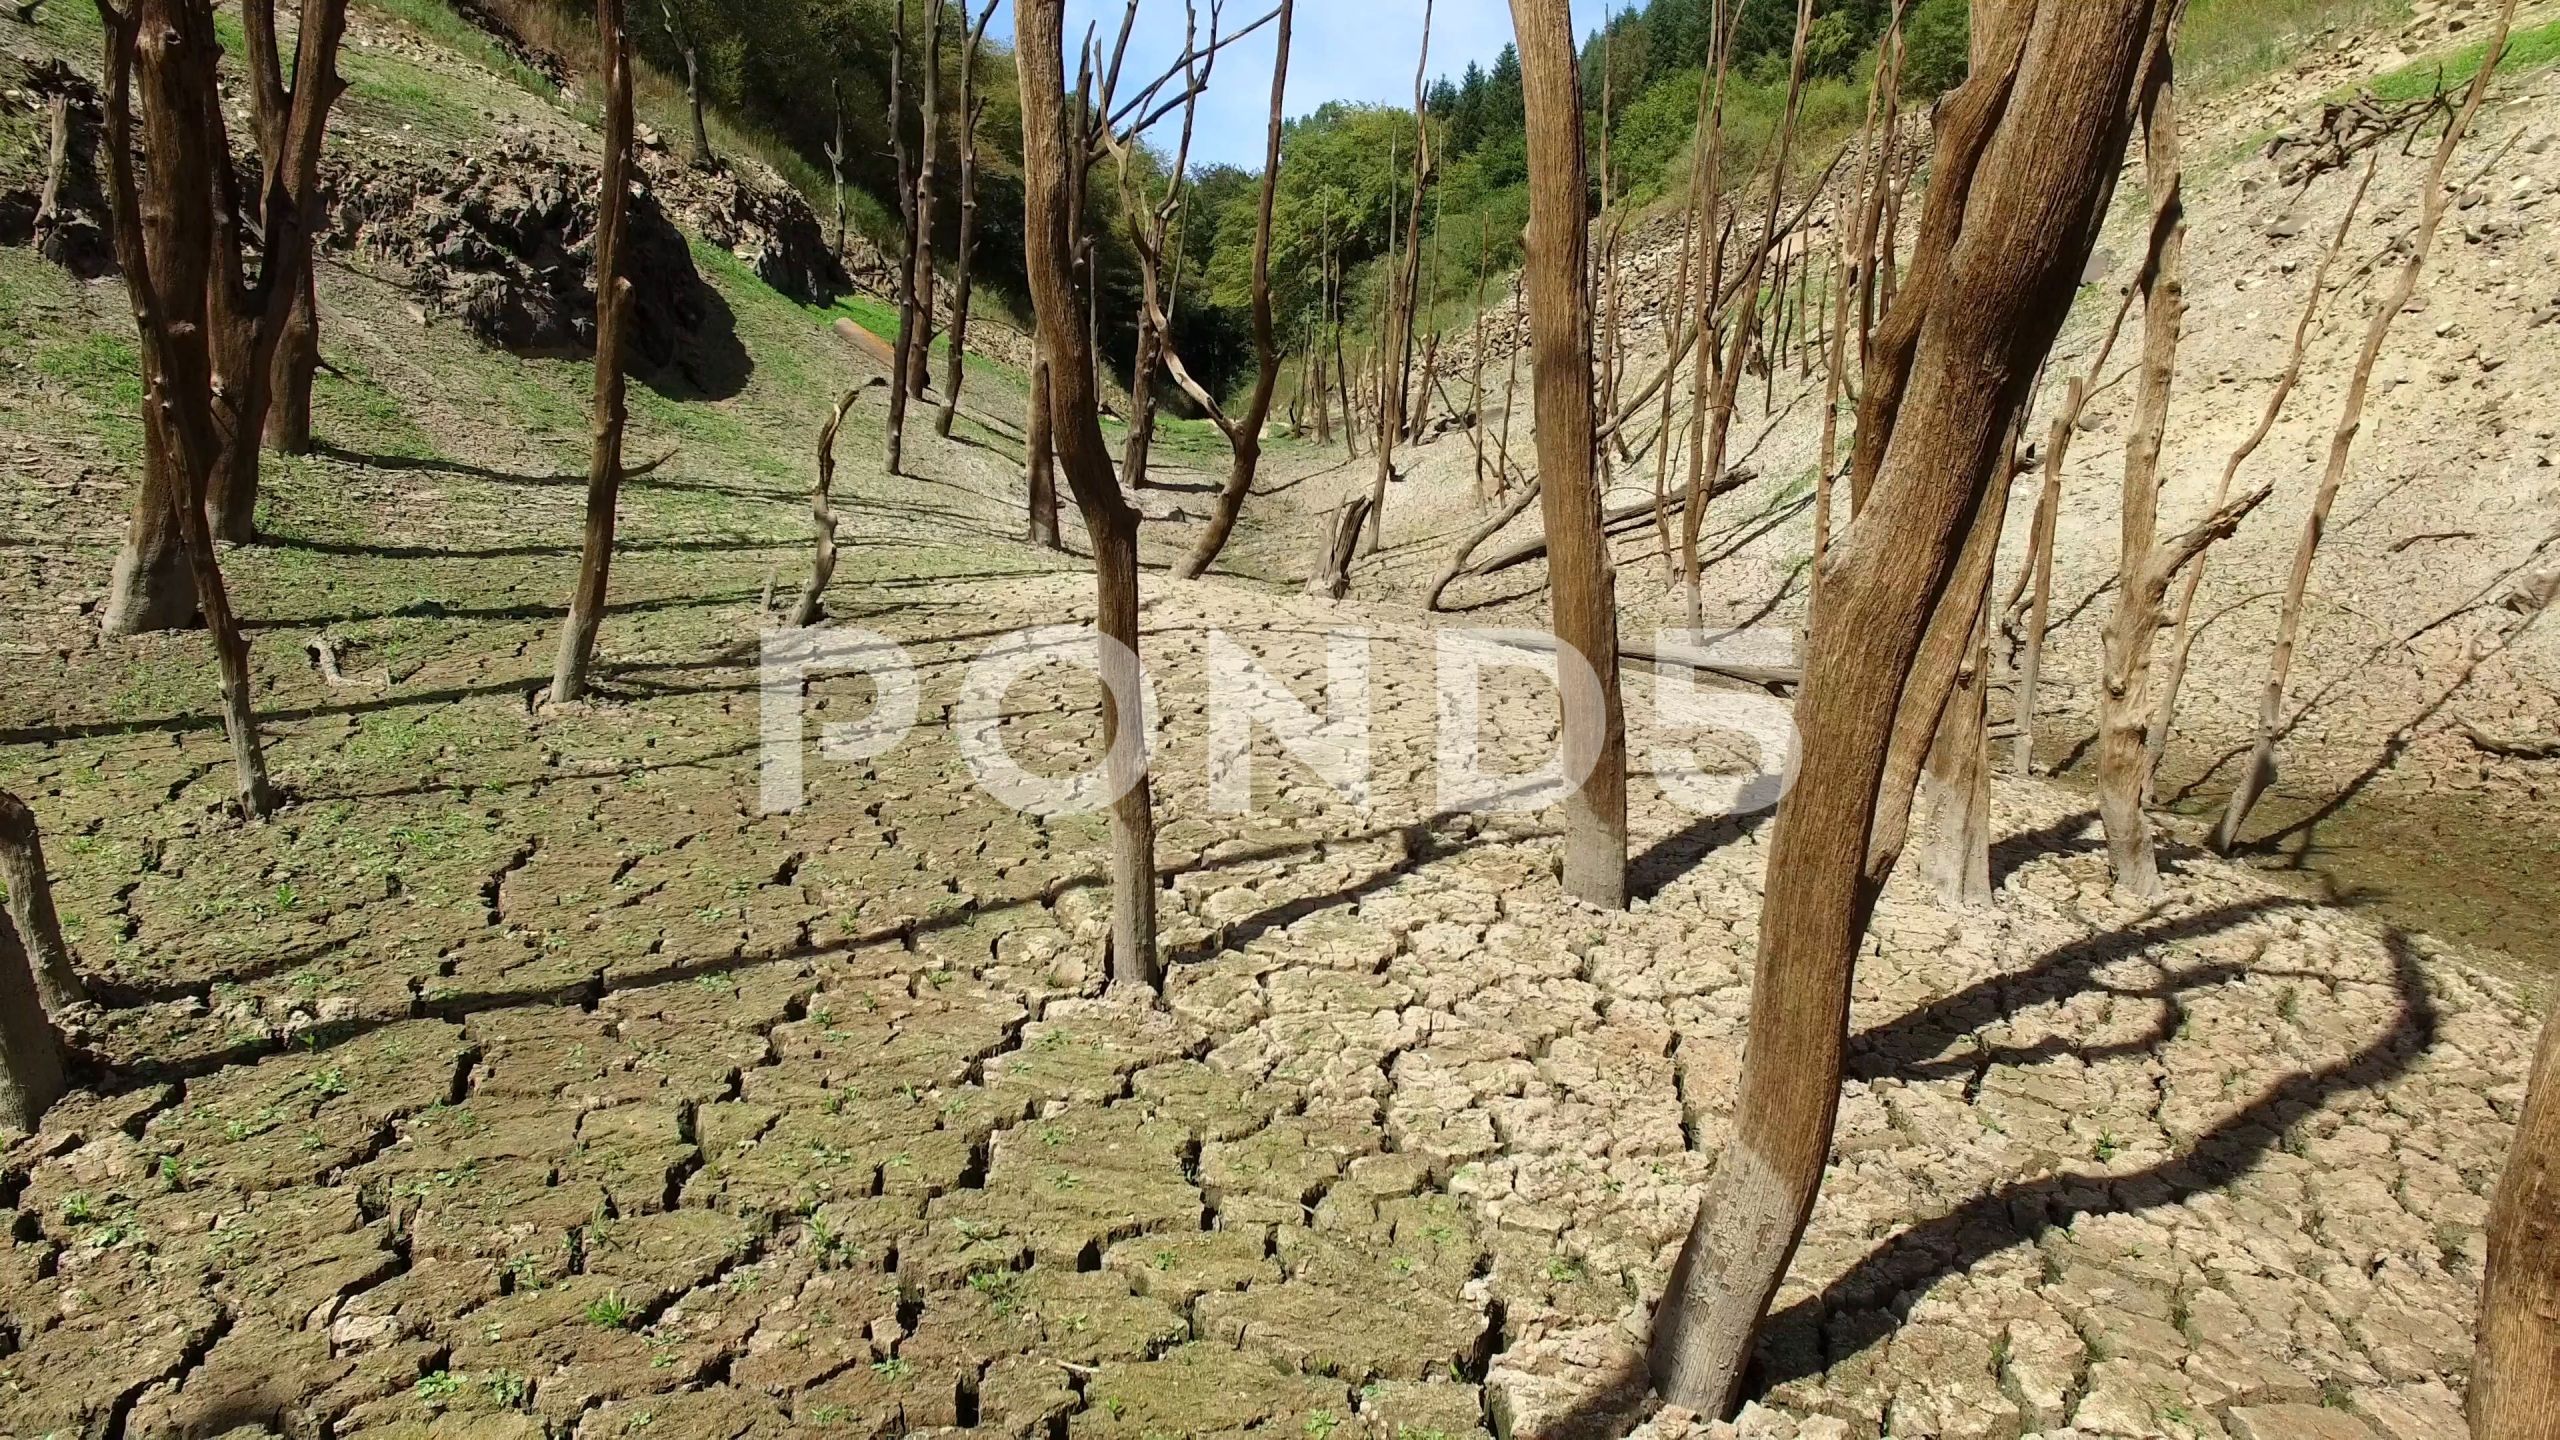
{"points": [[1341, 50]]}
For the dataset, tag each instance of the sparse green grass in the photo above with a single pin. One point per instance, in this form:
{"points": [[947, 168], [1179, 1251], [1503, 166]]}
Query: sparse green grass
{"points": [[2527, 49], [2222, 43]]}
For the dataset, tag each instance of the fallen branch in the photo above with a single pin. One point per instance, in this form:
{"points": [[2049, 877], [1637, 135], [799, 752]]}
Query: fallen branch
{"points": [[2514, 747], [1696, 659]]}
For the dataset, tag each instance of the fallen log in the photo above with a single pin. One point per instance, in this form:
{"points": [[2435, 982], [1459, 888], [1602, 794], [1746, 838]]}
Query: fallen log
{"points": [[1698, 659]]}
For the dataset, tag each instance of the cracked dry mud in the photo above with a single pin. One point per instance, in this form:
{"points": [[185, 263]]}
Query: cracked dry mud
{"points": [[570, 1096]]}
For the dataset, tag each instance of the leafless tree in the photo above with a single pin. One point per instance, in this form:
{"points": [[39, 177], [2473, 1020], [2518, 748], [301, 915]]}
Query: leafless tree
{"points": [[2182, 634], [2515, 1369], [2026, 155], [903, 161], [31, 906], [265, 332], [46, 231], [836, 156], [1711, 425], [613, 312], [682, 37], [919, 373], [822, 510], [1057, 154], [165, 247], [1582, 588], [2433, 201], [972, 107], [1395, 349], [1244, 433], [2124, 693]]}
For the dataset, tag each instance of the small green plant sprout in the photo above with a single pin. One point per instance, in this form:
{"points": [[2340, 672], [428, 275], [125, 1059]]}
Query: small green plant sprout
{"points": [[892, 1368], [609, 1312], [438, 1386]]}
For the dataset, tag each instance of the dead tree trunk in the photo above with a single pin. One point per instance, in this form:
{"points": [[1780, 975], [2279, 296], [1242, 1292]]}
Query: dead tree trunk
{"points": [[703, 159], [31, 906], [1244, 435], [2027, 151], [1040, 470], [2515, 1369], [1955, 858], [31, 1068], [2182, 634], [46, 229], [973, 106], [836, 154], [1706, 460], [613, 312], [1049, 167], [902, 354], [2124, 692], [919, 375], [2433, 201], [248, 318], [1582, 589], [822, 510], [165, 247], [1395, 349], [289, 146]]}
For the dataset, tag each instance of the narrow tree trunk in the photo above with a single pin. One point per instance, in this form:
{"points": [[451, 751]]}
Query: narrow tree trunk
{"points": [[2124, 693], [902, 354], [2515, 1371], [31, 906], [1395, 350], [836, 153], [1040, 471], [613, 312], [919, 376], [972, 107], [2182, 634], [822, 510], [1582, 589], [1244, 436], [2433, 201], [1049, 231], [2027, 152]]}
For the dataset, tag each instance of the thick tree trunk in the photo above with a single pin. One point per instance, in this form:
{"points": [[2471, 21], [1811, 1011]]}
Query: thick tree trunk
{"points": [[2433, 201], [1049, 223], [2515, 1371], [1582, 588], [613, 312], [164, 244], [31, 905], [251, 322], [2046, 119], [153, 587], [2124, 693], [297, 365], [30, 1051]]}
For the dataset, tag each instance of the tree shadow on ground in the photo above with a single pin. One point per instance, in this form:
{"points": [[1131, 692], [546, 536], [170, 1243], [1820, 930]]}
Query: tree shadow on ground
{"points": [[1873, 1293]]}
